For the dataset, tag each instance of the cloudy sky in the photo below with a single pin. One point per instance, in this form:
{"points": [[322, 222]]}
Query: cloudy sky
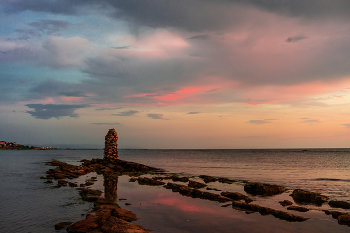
{"points": [[176, 74]]}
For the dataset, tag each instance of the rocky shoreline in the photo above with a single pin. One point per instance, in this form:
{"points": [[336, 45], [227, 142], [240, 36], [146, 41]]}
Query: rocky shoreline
{"points": [[107, 216]]}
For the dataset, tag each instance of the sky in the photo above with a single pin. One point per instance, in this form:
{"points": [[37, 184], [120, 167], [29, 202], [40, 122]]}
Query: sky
{"points": [[191, 74]]}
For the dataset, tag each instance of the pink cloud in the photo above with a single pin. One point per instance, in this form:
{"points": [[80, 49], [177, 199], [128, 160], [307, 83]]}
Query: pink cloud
{"points": [[71, 98]]}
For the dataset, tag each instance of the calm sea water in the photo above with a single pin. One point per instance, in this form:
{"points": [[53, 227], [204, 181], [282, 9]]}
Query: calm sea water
{"points": [[29, 205]]}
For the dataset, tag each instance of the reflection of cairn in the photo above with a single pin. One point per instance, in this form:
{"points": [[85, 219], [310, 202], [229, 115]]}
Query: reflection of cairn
{"points": [[110, 182], [111, 146]]}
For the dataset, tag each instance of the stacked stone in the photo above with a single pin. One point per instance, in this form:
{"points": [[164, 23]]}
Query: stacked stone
{"points": [[111, 146]]}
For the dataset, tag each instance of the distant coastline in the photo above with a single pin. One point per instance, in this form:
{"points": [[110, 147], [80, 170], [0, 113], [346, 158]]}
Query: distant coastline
{"points": [[15, 146]]}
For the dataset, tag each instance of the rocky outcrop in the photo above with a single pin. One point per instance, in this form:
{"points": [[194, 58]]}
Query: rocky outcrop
{"points": [[195, 193], [90, 194], [208, 179], [196, 185], [107, 218], [339, 204], [237, 196], [343, 218], [286, 203], [111, 146], [148, 181], [303, 196], [62, 225], [266, 211], [256, 188], [298, 208]]}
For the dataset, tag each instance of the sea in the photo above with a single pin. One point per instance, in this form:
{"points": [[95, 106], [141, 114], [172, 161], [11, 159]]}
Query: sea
{"points": [[28, 204]]}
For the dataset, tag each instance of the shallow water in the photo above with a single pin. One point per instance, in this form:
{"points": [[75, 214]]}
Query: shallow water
{"points": [[29, 205]]}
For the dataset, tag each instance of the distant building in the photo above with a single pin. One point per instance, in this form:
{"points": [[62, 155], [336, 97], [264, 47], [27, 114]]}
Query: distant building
{"points": [[2, 143]]}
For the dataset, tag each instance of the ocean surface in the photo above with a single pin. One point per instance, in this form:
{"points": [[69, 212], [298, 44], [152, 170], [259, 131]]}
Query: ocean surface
{"points": [[30, 205]]}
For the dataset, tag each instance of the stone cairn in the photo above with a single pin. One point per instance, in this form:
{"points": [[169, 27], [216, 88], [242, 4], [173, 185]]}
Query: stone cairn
{"points": [[111, 146]]}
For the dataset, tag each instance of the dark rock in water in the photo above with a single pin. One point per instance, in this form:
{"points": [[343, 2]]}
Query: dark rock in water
{"points": [[226, 180], [62, 225], [62, 182], [195, 193], [181, 179], [133, 179], [86, 225], [88, 183], [286, 203], [72, 184], [236, 196], [266, 211], [301, 196], [336, 214], [256, 188], [339, 204], [148, 181], [207, 179], [90, 194], [298, 208], [327, 212], [344, 219], [196, 185]]}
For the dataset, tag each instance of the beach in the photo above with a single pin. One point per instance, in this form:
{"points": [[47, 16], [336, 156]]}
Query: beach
{"points": [[162, 210]]}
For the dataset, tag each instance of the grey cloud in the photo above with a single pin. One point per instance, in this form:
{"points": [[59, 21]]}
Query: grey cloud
{"points": [[194, 15], [310, 121], [193, 113], [72, 94], [296, 38], [199, 37], [48, 111], [346, 125], [43, 27], [126, 113], [107, 109], [115, 123], [156, 116], [121, 47]]}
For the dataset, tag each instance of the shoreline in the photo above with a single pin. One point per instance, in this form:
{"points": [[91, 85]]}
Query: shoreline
{"points": [[137, 172]]}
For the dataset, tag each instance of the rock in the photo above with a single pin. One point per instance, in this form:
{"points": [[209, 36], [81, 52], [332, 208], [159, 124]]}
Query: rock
{"points": [[266, 211], [286, 203], [59, 176], [86, 225], [344, 219], [181, 179], [298, 208], [339, 204], [196, 185], [336, 214], [148, 181], [133, 179], [62, 225], [90, 194], [302, 196], [327, 212], [62, 182], [236, 196], [207, 179], [111, 146], [72, 184], [88, 183], [226, 180], [256, 188], [195, 193]]}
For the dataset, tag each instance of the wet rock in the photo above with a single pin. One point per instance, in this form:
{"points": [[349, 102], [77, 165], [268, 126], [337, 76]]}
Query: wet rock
{"points": [[195, 193], [86, 225], [207, 179], [237, 196], [266, 211], [336, 214], [62, 225], [226, 180], [196, 185], [298, 208], [286, 203], [303, 196], [62, 182], [344, 219], [339, 204], [88, 183], [327, 212], [256, 188], [90, 194], [181, 179], [148, 181], [72, 184], [133, 179], [59, 176]]}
